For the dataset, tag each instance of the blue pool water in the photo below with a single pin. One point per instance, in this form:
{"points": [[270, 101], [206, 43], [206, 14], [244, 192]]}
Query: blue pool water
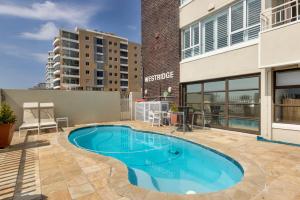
{"points": [[159, 162]]}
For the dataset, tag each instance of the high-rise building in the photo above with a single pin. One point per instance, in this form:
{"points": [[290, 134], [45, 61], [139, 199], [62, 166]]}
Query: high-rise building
{"points": [[49, 71], [91, 60]]}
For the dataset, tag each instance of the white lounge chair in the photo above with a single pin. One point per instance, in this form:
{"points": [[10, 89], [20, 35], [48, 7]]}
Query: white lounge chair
{"points": [[154, 118], [47, 118], [30, 117]]}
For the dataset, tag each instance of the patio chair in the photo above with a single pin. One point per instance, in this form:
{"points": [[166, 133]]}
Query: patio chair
{"points": [[154, 118], [47, 118], [30, 117]]}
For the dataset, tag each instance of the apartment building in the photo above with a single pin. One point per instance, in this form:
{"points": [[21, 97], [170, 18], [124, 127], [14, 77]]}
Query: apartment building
{"points": [[49, 76], [239, 62], [240, 65], [91, 60]]}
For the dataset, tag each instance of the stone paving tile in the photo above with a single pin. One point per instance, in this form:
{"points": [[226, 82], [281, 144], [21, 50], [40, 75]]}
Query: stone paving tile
{"points": [[47, 166]]}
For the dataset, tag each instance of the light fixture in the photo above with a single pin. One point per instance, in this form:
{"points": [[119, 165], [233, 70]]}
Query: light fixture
{"points": [[169, 89]]}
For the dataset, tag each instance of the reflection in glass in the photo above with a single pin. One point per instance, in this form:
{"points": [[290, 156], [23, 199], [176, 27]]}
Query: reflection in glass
{"points": [[215, 121], [287, 114], [244, 83], [247, 124], [194, 97], [289, 96], [214, 109], [214, 86], [244, 110], [249, 97], [214, 97]]}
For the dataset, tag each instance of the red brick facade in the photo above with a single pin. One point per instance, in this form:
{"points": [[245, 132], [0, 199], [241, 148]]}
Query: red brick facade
{"points": [[160, 46]]}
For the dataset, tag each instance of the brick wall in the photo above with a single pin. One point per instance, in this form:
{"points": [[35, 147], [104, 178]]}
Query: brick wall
{"points": [[161, 45]]}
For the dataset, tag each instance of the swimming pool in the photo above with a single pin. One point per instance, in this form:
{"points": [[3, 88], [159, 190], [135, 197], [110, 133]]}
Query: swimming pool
{"points": [[159, 162]]}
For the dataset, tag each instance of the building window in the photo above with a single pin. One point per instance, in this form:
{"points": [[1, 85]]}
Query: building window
{"points": [[116, 74], [116, 67], [135, 62], [110, 82], [110, 74], [232, 103], [116, 44], [87, 46], [87, 38], [87, 72], [215, 32], [116, 59], [110, 50], [110, 89], [87, 63], [110, 58], [99, 41], [110, 66], [287, 97], [87, 55], [182, 2], [116, 82], [135, 76], [135, 69], [110, 43], [115, 51]]}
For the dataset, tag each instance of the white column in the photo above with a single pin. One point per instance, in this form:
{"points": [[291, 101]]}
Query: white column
{"points": [[266, 103]]}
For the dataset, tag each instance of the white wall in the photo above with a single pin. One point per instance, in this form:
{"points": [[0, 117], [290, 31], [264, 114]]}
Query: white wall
{"points": [[80, 106]]}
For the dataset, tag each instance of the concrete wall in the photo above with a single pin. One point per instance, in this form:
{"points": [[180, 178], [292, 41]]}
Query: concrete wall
{"points": [[230, 63], [280, 46], [80, 106]]}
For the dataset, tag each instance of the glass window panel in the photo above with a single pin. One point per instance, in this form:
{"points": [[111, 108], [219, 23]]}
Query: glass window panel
{"points": [[248, 110], [244, 83], [214, 86], [253, 12], [187, 38], [195, 34], [290, 96], [209, 36], [214, 109], [214, 97], [287, 114], [288, 78], [215, 121], [222, 32], [193, 88], [244, 97], [237, 37], [247, 124], [253, 32], [237, 17]]}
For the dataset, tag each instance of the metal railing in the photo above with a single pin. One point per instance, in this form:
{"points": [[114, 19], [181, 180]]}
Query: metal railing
{"points": [[280, 15]]}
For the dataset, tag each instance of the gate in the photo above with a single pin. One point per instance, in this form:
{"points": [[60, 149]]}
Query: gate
{"points": [[125, 107]]}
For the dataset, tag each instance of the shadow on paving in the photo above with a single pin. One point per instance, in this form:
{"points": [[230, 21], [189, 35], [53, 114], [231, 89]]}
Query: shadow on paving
{"points": [[19, 175]]}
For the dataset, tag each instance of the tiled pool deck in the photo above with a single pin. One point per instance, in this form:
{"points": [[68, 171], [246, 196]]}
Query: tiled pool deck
{"points": [[49, 167]]}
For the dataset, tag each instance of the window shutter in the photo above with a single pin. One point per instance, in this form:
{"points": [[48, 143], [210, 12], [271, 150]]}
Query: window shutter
{"points": [[209, 36], [222, 23], [253, 12], [187, 38], [237, 23], [253, 18]]}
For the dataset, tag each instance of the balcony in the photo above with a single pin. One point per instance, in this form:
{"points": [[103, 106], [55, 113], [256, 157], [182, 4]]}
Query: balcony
{"points": [[56, 41], [56, 49], [280, 15], [56, 72], [279, 40], [56, 64], [56, 58]]}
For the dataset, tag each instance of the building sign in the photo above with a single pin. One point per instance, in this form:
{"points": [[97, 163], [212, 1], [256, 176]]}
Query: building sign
{"points": [[157, 77]]}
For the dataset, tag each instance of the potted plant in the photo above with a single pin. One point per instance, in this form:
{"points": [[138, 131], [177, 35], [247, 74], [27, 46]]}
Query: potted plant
{"points": [[173, 116], [7, 125]]}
